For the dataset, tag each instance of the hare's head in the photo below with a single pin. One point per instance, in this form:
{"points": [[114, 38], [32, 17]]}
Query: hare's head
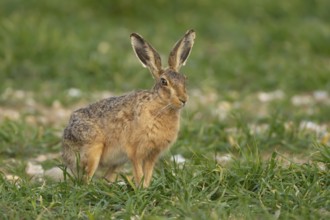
{"points": [[170, 84]]}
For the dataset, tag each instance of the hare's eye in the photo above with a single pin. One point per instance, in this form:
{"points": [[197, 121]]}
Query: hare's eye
{"points": [[163, 82]]}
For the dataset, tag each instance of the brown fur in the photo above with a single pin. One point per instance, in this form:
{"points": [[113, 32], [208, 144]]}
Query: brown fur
{"points": [[135, 127]]}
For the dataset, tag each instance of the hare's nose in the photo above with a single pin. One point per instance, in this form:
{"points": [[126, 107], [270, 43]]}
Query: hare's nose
{"points": [[183, 101]]}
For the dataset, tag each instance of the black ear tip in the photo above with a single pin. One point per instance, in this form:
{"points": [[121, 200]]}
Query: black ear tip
{"points": [[191, 34], [136, 36], [190, 31]]}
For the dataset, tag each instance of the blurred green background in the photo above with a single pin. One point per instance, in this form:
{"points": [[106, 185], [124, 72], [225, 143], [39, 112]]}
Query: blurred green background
{"points": [[50, 46]]}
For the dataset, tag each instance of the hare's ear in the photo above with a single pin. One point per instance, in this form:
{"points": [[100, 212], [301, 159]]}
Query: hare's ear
{"points": [[181, 51], [146, 54]]}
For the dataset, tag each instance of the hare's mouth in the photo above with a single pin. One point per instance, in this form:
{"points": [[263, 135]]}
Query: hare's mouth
{"points": [[179, 103]]}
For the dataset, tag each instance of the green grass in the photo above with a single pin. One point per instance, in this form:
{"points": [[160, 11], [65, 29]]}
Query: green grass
{"points": [[202, 189], [259, 94]]}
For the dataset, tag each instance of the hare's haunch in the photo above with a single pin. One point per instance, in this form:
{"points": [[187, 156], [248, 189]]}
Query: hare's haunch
{"points": [[135, 127]]}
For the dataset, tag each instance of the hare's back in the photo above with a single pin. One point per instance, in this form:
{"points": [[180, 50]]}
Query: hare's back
{"points": [[101, 108], [86, 123]]}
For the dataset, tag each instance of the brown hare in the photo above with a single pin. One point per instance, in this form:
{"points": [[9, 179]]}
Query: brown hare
{"points": [[135, 127]]}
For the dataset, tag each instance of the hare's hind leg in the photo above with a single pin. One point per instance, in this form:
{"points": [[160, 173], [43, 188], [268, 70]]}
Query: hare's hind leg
{"points": [[92, 159]]}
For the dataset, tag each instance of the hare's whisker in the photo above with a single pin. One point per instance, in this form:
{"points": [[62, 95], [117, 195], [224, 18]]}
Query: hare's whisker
{"points": [[162, 110]]}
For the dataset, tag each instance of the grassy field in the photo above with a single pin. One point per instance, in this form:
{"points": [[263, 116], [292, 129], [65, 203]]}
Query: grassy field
{"points": [[255, 135]]}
